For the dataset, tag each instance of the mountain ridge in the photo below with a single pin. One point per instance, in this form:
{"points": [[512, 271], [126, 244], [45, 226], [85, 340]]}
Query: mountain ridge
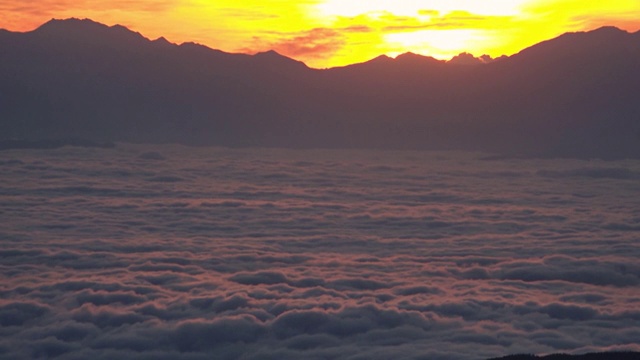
{"points": [[87, 25], [569, 96]]}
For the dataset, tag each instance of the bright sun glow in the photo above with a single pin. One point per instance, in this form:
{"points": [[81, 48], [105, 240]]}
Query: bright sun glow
{"points": [[326, 33], [441, 44], [413, 8]]}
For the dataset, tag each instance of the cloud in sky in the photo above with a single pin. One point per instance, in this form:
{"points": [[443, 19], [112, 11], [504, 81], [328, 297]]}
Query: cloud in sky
{"points": [[315, 43], [495, 27], [181, 253]]}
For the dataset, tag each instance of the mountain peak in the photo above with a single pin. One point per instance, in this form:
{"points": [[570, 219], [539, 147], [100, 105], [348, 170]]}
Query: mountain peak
{"points": [[269, 53], [609, 30], [413, 58], [604, 33], [162, 41], [273, 57], [380, 59], [581, 44], [86, 29], [71, 23], [465, 58]]}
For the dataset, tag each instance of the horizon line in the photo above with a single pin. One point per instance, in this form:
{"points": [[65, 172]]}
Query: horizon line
{"points": [[481, 59]]}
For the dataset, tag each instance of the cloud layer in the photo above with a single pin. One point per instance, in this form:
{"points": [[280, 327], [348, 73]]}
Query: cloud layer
{"points": [[176, 253]]}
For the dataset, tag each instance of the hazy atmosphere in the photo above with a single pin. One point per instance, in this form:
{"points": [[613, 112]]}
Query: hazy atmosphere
{"points": [[319, 179]]}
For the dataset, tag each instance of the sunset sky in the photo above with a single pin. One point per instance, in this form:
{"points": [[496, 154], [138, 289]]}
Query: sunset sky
{"points": [[327, 33]]}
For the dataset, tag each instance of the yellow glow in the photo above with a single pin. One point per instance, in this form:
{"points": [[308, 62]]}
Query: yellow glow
{"points": [[441, 44], [413, 8], [326, 33], [443, 29]]}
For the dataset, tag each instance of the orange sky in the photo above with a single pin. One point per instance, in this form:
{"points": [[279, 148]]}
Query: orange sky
{"points": [[327, 33]]}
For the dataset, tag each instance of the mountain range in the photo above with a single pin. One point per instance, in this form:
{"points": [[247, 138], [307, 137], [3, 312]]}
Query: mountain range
{"points": [[572, 96]]}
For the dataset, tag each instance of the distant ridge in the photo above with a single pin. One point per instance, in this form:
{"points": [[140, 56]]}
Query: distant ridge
{"points": [[572, 96], [85, 29]]}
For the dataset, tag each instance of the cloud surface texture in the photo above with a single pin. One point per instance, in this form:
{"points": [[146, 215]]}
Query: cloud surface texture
{"points": [[167, 252]]}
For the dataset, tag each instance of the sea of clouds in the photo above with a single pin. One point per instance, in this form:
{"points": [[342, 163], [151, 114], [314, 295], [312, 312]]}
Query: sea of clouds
{"points": [[168, 252]]}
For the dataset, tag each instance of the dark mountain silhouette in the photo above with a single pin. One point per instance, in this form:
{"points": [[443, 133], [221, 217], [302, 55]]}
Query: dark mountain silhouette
{"points": [[465, 59], [575, 95]]}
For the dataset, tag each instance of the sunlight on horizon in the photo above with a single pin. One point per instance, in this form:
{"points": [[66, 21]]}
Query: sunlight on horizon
{"points": [[440, 44], [328, 33], [411, 8]]}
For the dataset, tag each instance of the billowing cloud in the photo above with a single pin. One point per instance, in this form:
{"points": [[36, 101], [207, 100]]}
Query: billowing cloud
{"points": [[166, 252], [316, 43]]}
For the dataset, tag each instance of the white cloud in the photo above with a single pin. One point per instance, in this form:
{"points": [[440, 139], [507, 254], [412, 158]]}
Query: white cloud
{"points": [[313, 254]]}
